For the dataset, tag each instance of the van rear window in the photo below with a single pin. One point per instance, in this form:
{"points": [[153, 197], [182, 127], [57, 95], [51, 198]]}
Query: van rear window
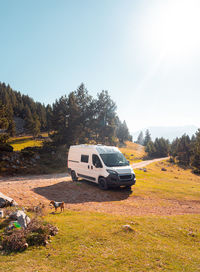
{"points": [[84, 158]]}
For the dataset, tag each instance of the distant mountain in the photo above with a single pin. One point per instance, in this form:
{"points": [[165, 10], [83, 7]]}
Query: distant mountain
{"points": [[167, 132]]}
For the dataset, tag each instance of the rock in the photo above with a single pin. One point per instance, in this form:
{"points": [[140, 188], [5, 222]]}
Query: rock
{"points": [[17, 162], [1, 214], [127, 227], [25, 246], [6, 201], [21, 217], [37, 157], [163, 169]]}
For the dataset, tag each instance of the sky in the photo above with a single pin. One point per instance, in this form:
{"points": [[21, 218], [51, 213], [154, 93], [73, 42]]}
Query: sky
{"points": [[146, 53]]}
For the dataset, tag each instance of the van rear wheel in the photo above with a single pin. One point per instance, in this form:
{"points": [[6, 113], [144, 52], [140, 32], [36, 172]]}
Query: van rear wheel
{"points": [[103, 185], [73, 175]]}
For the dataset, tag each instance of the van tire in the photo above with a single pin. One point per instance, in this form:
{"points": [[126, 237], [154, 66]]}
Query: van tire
{"points": [[103, 185], [73, 175]]}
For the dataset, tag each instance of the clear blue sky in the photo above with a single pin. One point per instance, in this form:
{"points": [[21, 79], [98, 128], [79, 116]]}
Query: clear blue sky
{"points": [[145, 53]]}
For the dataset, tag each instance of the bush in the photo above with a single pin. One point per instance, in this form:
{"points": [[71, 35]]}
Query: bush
{"points": [[4, 138], [14, 241], [37, 233], [27, 152], [5, 148]]}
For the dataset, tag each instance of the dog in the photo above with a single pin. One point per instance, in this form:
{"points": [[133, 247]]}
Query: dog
{"points": [[57, 205]]}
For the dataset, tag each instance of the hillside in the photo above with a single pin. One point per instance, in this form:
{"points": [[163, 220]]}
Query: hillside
{"points": [[132, 151], [22, 113]]}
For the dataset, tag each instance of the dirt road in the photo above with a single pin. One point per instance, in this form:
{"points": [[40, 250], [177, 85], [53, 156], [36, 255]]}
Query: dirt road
{"points": [[85, 196], [145, 163]]}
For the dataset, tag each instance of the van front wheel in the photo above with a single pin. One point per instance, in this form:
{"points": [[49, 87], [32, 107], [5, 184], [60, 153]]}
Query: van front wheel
{"points": [[103, 185], [73, 175]]}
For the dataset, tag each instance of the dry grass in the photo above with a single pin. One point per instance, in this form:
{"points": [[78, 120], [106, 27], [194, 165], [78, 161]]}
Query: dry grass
{"points": [[133, 152]]}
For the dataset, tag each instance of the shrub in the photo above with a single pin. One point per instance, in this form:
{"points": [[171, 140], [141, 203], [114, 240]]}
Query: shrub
{"points": [[37, 233], [14, 241], [5, 147]]}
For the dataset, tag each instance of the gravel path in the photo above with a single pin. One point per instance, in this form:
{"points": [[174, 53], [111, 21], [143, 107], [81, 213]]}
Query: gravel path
{"points": [[145, 163]]}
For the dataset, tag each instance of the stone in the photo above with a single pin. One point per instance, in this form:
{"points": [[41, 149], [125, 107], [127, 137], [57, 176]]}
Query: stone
{"points": [[127, 227], [21, 217], [37, 157], [163, 169], [5, 200]]}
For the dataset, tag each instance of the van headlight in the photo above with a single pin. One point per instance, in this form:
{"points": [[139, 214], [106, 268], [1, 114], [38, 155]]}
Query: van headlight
{"points": [[132, 172], [111, 172]]}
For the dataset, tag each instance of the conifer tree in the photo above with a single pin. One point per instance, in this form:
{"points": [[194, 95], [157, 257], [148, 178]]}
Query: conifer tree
{"points": [[195, 153], [147, 137], [140, 138]]}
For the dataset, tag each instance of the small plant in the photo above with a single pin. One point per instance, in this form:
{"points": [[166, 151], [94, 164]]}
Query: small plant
{"points": [[37, 233], [14, 241]]}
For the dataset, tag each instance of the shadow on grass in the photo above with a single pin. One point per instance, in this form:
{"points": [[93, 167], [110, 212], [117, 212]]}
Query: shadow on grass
{"points": [[81, 192]]}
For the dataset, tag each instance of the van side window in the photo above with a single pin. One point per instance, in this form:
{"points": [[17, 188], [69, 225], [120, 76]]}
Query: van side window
{"points": [[96, 161], [84, 158]]}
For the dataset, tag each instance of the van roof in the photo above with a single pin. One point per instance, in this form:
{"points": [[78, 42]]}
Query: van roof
{"points": [[99, 148]]}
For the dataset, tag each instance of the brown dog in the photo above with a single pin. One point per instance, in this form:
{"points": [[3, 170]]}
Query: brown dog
{"points": [[57, 205]]}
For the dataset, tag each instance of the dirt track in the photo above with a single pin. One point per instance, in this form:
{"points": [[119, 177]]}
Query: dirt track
{"points": [[145, 163]]}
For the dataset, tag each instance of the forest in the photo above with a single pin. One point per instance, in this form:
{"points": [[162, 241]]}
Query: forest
{"points": [[184, 150], [72, 119]]}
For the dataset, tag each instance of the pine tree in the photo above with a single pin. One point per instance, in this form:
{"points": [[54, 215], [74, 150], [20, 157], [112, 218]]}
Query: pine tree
{"points": [[150, 149], [123, 132], [29, 122], [4, 123], [147, 137], [140, 138], [195, 153]]}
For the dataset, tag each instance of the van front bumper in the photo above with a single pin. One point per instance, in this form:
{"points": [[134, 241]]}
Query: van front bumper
{"points": [[120, 180]]}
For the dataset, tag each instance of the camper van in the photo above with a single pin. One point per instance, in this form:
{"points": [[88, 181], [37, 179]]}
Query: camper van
{"points": [[104, 165]]}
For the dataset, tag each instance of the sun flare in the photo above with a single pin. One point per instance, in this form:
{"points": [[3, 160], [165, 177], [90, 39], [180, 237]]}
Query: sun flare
{"points": [[173, 27]]}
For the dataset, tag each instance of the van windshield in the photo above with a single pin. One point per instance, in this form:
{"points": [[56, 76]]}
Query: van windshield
{"points": [[114, 159]]}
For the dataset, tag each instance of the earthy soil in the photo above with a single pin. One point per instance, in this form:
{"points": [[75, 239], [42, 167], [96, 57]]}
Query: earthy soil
{"points": [[82, 195]]}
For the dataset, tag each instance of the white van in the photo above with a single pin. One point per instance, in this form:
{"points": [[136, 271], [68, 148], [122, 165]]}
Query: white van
{"points": [[104, 165]]}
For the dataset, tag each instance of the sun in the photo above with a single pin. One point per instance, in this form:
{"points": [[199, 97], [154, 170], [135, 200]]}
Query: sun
{"points": [[173, 27]]}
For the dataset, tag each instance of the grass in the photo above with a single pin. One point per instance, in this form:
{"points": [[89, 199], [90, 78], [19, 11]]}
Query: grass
{"points": [[175, 183], [133, 152], [89, 241], [97, 242], [19, 143]]}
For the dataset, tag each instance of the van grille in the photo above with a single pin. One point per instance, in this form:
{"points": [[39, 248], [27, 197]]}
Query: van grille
{"points": [[125, 177]]}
